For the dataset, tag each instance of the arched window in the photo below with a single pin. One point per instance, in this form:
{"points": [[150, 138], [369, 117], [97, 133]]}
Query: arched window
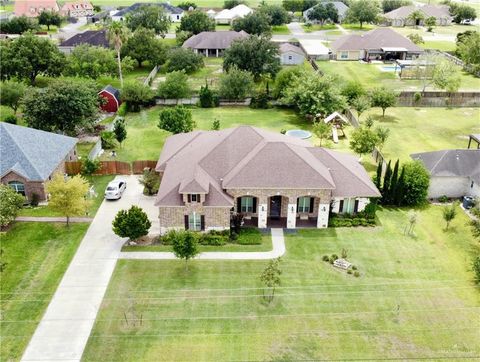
{"points": [[18, 186]]}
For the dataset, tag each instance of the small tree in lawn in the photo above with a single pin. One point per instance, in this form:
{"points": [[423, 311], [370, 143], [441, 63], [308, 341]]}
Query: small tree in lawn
{"points": [[361, 104], [382, 136], [216, 125], [11, 94], [120, 130], [49, 18], [383, 98], [430, 22], [132, 223], [11, 202], [176, 120], [415, 17], [89, 167], [449, 213], [378, 176], [446, 75], [416, 38], [68, 195], [185, 246], [270, 277], [412, 221], [150, 180], [363, 141], [322, 130]]}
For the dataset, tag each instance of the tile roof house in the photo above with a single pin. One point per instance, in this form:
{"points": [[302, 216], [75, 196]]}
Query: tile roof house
{"points": [[399, 17], [77, 9], [175, 13], [91, 37], [213, 43], [291, 54], [340, 6], [33, 8], [377, 44], [29, 157], [269, 177], [227, 16], [453, 173]]}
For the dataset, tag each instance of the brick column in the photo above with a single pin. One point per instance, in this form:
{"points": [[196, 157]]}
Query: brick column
{"points": [[291, 216], [262, 215], [322, 220]]}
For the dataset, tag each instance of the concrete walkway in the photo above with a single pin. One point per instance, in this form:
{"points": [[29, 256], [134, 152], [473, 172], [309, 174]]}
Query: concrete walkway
{"points": [[278, 242], [52, 219]]}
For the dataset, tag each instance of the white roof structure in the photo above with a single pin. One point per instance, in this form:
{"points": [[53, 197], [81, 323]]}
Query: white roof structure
{"points": [[238, 11], [335, 115], [313, 47]]}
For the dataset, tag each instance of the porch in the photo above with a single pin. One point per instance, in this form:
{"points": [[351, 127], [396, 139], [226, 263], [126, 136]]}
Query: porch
{"points": [[282, 222]]}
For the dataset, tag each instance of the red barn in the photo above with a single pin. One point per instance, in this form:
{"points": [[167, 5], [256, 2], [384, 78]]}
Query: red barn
{"points": [[112, 97]]}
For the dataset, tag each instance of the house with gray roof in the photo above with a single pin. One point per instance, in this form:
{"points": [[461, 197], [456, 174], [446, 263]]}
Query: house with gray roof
{"points": [[338, 5], [90, 37], [290, 54], [30, 157], [213, 43], [377, 44], [174, 12], [272, 179], [400, 16], [453, 173]]}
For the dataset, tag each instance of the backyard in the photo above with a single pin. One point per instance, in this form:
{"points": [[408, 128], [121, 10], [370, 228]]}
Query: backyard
{"points": [[36, 256], [415, 298]]}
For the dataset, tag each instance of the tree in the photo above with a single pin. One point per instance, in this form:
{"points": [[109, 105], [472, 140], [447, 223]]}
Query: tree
{"points": [[255, 54], [446, 75], [187, 5], [256, 23], [399, 189], [28, 56], [361, 104], [315, 95], [430, 22], [415, 18], [11, 203], [475, 225], [120, 130], [117, 35], [283, 79], [293, 5], [132, 223], [390, 197], [184, 59], [136, 94], [196, 22], [476, 268], [363, 140], [383, 98], [175, 86], [449, 213], [49, 18], [149, 17], [185, 246], [387, 178], [228, 4], [378, 176], [462, 12], [11, 94], [353, 90], [207, 98], [276, 13], [322, 130], [65, 105], [18, 25], [89, 167], [236, 84], [363, 11], [143, 46], [216, 125], [468, 49], [382, 136], [416, 38], [416, 183], [176, 120], [151, 181], [323, 12], [68, 195], [389, 5], [270, 277]]}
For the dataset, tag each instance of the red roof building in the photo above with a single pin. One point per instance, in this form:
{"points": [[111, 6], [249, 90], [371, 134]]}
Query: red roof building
{"points": [[112, 97], [33, 8]]}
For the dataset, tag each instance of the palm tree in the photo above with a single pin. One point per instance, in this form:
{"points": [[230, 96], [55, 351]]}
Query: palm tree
{"points": [[117, 34]]}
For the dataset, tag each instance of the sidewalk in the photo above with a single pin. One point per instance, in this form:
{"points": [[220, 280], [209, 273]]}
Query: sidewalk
{"points": [[52, 219]]}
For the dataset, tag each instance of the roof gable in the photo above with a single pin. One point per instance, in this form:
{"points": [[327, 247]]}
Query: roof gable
{"points": [[90, 37], [213, 39]]}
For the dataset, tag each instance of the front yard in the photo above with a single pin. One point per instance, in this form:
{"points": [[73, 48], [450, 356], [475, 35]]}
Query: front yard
{"points": [[415, 298], [36, 256]]}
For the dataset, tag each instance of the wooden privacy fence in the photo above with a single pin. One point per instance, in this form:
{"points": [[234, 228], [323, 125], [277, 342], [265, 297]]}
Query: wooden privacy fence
{"points": [[139, 166], [112, 167]]}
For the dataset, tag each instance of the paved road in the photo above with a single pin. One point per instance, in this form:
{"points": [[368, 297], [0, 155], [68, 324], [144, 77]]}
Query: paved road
{"points": [[278, 250], [64, 329]]}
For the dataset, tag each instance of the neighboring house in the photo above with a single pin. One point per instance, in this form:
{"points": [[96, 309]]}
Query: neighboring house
{"points": [[315, 49], [175, 13], [227, 16], [378, 44], [291, 54], [273, 179], [29, 158], [77, 9], [341, 10], [33, 8], [91, 37], [112, 99], [211, 13], [399, 17], [453, 173], [213, 43]]}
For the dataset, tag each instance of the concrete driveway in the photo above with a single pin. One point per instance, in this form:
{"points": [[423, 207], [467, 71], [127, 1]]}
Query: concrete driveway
{"points": [[64, 329]]}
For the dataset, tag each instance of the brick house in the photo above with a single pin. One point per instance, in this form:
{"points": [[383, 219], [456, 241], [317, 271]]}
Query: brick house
{"points": [[273, 179], [29, 157], [77, 9]]}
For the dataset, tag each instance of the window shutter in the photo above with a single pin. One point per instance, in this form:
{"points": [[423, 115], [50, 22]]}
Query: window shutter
{"points": [[355, 208], [254, 205], [298, 203], [340, 207], [239, 204], [312, 203], [202, 222], [186, 222], [189, 198]]}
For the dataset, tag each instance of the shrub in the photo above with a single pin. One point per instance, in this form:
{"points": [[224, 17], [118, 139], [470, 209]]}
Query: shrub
{"points": [[443, 199], [136, 94], [108, 140], [89, 167], [132, 223], [214, 240], [356, 274], [349, 271], [236, 84], [168, 238], [261, 100], [176, 120], [208, 98], [334, 257], [233, 236], [175, 86], [215, 125], [354, 267], [184, 59], [34, 199], [122, 110], [325, 258], [416, 182], [11, 203], [11, 119], [344, 253], [476, 268], [150, 181], [249, 236]]}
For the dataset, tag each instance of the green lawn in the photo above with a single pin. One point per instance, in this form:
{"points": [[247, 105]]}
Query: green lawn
{"points": [[138, 75], [222, 27], [415, 298], [210, 73], [356, 27], [99, 184], [36, 256], [425, 129], [280, 30], [145, 140], [441, 30], [445, 46], [318, 27], [84, 148]]}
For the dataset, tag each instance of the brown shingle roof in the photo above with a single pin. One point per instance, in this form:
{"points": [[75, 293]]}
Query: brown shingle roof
{"points": [[213, 39], [438, 11], [248, 157], [287, 47]]}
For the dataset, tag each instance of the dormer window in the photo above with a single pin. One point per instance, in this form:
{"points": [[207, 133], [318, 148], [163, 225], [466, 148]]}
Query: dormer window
{"points": [[193, 198]]}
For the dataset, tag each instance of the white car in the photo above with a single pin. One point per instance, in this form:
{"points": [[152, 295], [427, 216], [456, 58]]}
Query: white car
{"points": [[115, 189]]}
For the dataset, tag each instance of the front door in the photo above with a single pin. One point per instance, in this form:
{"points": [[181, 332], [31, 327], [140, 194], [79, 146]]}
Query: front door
{"points": [[275, 206]]}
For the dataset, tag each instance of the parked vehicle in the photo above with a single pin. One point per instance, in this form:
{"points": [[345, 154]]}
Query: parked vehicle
{"points": [[115, 189]]}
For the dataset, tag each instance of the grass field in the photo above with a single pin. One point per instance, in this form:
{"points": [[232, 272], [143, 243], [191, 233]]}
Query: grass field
{"points": [[280, 30], [137, 75], [440, 30], [36, 256], [445, 46], [318, 27], [415, 130], [84, 148], [415, 297]]}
